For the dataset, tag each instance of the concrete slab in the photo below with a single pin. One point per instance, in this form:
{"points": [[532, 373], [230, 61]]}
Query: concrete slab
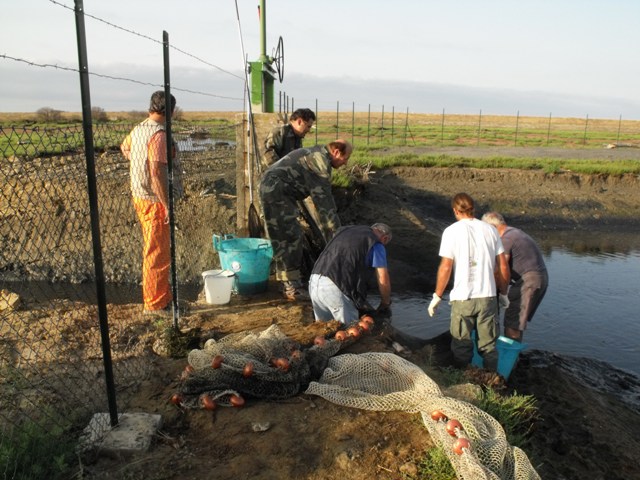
{"points": [[133, 434]]}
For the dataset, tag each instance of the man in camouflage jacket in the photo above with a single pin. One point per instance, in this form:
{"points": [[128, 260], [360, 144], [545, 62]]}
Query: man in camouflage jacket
{"points": [[303, 173], [286, 138]]}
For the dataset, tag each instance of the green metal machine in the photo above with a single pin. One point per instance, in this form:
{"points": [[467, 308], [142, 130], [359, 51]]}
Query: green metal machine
{"points": [[266, 69]]}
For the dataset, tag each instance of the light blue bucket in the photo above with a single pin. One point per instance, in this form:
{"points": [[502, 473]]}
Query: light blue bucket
{"points": [[508, 352], [248, 258]]}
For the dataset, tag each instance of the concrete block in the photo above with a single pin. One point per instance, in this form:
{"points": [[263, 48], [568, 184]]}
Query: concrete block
{"points": [[133, 434]]}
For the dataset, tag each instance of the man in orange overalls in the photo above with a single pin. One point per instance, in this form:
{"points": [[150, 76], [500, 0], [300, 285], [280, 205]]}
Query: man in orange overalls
{"points": [[145, 147]]}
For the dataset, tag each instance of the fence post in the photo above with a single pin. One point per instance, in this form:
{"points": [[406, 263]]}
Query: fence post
{"points": [[479, 125], [586, 124], [369, 125], [382, 126], [92, 189], [549, 129], [393, 118], [337, 119], [406, 126], [172, 218], [515, 142], [619, 125], [442, 130], [353, 122], [317, 121]]}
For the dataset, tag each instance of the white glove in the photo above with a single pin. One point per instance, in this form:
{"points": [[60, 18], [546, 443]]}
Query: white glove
{"points": [[433, 306], [503, 301]]}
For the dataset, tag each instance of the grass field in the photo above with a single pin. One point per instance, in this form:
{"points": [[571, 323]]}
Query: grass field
{"points": [[394, 128], [24, 134]]}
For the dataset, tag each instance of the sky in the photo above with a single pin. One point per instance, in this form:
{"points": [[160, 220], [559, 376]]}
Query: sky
{"points": [[566, 58]]}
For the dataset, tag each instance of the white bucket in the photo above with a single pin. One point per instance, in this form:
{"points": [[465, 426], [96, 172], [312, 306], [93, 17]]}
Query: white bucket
{"points": [[218, 285]]}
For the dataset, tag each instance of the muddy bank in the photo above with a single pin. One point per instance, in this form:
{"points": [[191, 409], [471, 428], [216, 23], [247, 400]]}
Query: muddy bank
{"points": [[582, 432]]}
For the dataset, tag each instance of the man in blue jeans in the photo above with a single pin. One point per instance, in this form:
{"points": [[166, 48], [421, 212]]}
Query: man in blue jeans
{"points": [[340, 277]]}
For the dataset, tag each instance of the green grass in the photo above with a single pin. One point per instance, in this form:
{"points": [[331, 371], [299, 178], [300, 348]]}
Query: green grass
{"points": [[364, 156], [436, 466], [516, 413], [34, 452]]}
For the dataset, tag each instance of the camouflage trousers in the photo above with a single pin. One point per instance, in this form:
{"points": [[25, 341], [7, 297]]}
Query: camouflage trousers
{"points": [[281, 219], [481, 315]]}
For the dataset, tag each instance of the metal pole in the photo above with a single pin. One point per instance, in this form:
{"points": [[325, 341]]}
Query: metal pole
{"points": [[479, 126], [549, 129], [619, 126], [169, 134], [85, 92], [406, 126], [382, 125], [263, 30], [338, 119], [369, 125], [442, 130], [393, 118], [317, 121], [353, 122], [586, 124], [515, 142]]}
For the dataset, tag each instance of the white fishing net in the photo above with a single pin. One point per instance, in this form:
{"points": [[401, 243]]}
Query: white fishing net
{"points": [[369, 381], [384, 381]]}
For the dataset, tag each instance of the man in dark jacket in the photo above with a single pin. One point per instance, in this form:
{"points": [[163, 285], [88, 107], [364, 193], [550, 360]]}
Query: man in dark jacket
{"points": [[342, 274]]}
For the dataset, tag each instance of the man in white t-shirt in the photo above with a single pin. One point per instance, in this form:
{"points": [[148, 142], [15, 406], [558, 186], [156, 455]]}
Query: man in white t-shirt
{"points": [[472, 249]]}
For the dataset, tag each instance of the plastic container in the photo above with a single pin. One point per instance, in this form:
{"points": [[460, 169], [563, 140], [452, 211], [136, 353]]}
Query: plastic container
{"points": [[249, 258], [218, 285], [508, 352]]}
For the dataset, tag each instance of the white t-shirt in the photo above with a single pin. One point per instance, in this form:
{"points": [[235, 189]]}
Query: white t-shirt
{"points": [[473, 245]]}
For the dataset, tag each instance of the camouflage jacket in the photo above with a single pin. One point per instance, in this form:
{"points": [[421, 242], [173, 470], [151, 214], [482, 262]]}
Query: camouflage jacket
{"points": [[307, 173], [281, 141]]}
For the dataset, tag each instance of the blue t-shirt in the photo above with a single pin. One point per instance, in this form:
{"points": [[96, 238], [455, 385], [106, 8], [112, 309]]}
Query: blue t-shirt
{"points": [[377, 256]]}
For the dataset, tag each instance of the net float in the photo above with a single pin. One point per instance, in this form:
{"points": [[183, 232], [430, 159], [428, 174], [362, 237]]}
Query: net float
{"points": [[236, 401], [247, 371], [460, 444], [353, 332], [207, 402], [453, 426], [437, 415], [217, 361]]}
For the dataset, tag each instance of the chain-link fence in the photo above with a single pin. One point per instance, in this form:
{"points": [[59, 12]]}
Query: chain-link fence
{"points": [[52, 376]]}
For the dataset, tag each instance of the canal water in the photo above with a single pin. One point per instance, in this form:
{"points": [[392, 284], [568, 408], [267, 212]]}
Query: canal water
{"points": [[591, 309]]}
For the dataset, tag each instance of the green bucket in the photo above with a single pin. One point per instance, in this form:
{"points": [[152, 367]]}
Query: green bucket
{"points": [[250, 260], [508, 352]]}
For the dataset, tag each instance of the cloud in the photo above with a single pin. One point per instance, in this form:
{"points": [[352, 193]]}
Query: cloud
{"points": [[124, 87]]}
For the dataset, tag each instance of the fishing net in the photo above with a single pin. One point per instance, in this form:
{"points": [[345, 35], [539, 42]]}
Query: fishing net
{"points": [[476, 445], [278, 369], [384, 381]]}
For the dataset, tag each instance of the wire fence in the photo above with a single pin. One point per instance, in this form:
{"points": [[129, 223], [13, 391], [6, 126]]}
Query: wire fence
{"points": [[51, 363], [384, 127]]}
